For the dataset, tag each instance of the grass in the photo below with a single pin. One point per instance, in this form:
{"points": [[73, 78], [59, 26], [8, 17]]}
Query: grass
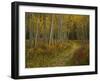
{"points": [[68, 53]]}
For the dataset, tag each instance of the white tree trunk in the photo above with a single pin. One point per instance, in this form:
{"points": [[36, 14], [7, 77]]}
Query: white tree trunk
{"points": [[51, 31], [36, 35]]}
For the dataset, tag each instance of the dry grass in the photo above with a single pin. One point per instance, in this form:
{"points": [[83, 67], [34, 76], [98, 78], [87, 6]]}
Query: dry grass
{"points": [[69, 53]]}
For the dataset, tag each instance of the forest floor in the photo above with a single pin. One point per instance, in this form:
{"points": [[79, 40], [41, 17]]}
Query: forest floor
{"points": [[70, 53]]}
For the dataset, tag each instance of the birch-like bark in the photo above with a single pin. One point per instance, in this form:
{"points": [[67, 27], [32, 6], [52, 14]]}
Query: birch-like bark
{"points": [[37, 30], [51, 31]]}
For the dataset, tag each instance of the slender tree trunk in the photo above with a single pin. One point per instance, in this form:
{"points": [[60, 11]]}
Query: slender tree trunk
{"points": [[51, 31], [37, 30], [30, 31], [33, 40], [45, 34], [66, 35], [60, 28]]}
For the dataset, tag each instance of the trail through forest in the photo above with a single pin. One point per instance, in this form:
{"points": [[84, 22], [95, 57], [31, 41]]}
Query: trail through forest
{"points": [[53, 40], [66, 56], [69, 56]]}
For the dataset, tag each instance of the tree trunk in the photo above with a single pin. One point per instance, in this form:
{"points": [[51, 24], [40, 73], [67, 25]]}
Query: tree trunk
{"points": [[51, 31], [36, 35], [60, 28], [30, 30], [45, 34]]}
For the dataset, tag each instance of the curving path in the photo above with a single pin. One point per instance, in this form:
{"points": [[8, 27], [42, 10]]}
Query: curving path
{"points": [[65, 57]]}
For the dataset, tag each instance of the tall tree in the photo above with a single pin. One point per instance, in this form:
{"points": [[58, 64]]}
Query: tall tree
{"points": [[60, 28], [45, 28], [30, 29], [51, 30], [37, 31]]}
